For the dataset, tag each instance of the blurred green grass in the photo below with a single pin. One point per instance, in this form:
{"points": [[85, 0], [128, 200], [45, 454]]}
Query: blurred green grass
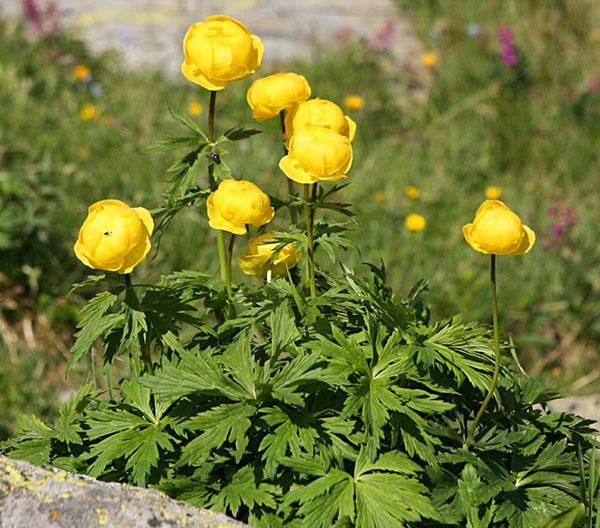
{"points": [[532, 129]]}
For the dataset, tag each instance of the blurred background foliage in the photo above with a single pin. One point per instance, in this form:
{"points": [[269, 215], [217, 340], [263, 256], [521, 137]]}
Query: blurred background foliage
{"points": [[512, 100]]}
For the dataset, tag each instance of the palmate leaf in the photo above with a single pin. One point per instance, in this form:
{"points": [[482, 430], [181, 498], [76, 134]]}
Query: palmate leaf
{"points": [[382, 494], [67, 426], [94, 322], [196, 371], [243, 489], [225, 423], [127, 436]]}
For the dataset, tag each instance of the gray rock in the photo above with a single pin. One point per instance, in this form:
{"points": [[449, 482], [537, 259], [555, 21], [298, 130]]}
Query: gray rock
{"points": [[33, 497], [586, 406]]}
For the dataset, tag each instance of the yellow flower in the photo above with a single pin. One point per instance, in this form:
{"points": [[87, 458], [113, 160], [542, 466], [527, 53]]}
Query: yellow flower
{"points": [[270, 95], [429, 60], [220, 50], [261, 256], [353, 102], [317, 154], [89, 112], [411, 192], [194, 108], [415, 222], [493, 192], [236, 204], [497, 230], [556, 372], [114, 236], [319, 113], [81, 72], [379, 196]]}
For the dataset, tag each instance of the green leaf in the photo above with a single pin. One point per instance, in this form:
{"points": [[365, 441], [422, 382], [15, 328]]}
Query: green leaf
{"points": [[189, 123], [228, 422], [573, 518], [242, 489], [94, 322], [238, 133]]}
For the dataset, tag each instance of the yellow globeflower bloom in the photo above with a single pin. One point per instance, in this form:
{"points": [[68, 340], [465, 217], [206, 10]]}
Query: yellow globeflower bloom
{"points": [[379, 196], [114, 236], [218, 51], [270, 95], [89, 112], [260, 257], [429, 60], [415, 222], [317, 154], [353, 102], [412, 192], [236, 204], [81, 72], [497, 230], [493, 192], [319, 113], [194, 108]]}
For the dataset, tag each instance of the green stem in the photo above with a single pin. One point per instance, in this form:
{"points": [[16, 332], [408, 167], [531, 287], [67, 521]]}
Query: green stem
{"points": [[212, 109], [490, 393], [290, 183], [109, 381], [144, 343], [310, 196]]}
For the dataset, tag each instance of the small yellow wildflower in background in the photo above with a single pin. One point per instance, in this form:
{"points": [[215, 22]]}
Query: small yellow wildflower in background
{"points": [[353, 102], [89, 112], [415, 222], [429, 60], [411, 192], [379, 196], [493, 192], [81, 72], [108, 120], [556, 372], [194, 108]]}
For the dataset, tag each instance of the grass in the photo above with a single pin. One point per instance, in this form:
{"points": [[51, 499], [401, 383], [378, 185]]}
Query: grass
{"points": [[532, 129]]}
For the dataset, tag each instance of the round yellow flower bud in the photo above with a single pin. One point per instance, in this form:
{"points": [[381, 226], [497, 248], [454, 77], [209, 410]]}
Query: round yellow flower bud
{"points": [[493, 192], [260, 257], [270, 95], [497, 230], [220, 50], [319, 113], [353, 102], [114, 236], [317, 154], [236, 204], [415, 222]]}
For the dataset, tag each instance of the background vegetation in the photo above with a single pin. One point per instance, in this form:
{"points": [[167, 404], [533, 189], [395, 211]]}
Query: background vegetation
{"points": [[531, 128]]}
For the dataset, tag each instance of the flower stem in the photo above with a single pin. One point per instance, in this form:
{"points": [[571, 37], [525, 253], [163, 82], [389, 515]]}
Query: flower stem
{"points": [[144, 342], [310, 196], [490, 393], [212, 109], [291, 186]]}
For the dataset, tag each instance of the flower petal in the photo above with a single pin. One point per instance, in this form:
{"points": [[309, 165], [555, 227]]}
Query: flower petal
{"points": [[216, 221], [193, 74], [145, 217], [527, 242], [351, 128], [292, 169], [468, 234], [103, 203]]}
